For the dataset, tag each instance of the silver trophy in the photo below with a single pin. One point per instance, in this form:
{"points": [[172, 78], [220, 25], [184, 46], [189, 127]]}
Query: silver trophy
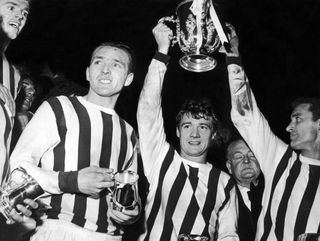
{"points": [[19, 186], [198, 32], [192, 237], [309, 237], [125, 191]]}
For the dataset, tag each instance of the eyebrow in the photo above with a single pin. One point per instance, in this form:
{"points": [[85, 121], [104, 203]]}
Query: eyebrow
{"points": [[101, 57], [97, 57], [200, 124], [295, 114], [239, 152], [16, 4]]}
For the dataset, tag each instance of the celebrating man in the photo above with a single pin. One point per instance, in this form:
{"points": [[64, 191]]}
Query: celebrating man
{"points": [[292, 172], [187, 195]]}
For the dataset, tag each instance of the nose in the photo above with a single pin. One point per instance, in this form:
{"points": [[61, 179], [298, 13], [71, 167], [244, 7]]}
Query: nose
{"points": [[289, 127], [19, 15], [246, 159], [105, 69], [194, 132]]}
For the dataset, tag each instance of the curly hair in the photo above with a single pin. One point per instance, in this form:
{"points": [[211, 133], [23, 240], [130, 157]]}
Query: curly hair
{"points": [[197, 109]]}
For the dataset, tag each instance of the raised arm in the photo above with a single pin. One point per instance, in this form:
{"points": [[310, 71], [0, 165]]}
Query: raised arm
{"points": [[149, 114], [245, 113]]}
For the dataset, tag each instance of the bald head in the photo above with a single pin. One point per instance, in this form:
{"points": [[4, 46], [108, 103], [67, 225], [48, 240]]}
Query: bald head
{"points": [[241, 163]]}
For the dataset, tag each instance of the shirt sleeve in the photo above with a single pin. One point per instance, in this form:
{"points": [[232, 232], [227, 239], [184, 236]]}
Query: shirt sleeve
{"points": [[40, 135], [152, 137], [228, 217], [251, 123]]}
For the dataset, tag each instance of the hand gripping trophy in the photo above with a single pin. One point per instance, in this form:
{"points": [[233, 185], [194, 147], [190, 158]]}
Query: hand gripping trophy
{"points": [[18, 187], [198, 32]]}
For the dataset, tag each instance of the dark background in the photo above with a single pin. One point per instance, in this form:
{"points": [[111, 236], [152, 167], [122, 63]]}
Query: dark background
{"points": [[279, 43]]}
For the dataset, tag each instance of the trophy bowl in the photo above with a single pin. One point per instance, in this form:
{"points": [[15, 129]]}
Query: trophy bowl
{"points": [[125, 191], [309, 237], [192, 237], [197, 34], [19, 186]]}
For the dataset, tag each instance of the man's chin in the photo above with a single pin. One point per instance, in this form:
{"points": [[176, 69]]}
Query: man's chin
{"points": [[294, 145], [248, 174], [12, 36]]}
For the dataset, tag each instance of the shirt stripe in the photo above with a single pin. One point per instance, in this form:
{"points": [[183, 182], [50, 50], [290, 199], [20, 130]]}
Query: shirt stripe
{"points": [[157, 200], [9, 78], [280, 219], [78, 124], [279, 171]]}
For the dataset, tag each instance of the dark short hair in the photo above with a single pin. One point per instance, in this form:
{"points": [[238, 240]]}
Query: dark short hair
{"points": [[198, 109], [122, 46], [314, 105]]}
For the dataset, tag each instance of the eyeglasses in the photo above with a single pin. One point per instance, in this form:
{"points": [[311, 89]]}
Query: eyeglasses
{"points": [[240, 156]]}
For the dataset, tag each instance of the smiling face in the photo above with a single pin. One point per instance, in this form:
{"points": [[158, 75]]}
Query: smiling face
{"points": [[304, 131], [195, 137], [108, 73], [13, 14], [242, 164]]}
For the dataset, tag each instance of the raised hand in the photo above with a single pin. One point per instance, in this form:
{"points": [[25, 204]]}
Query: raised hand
{"points": [[233, 40], [163, 36]]}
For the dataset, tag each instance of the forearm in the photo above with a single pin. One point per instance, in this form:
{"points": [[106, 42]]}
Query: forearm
{"points": [[36, 143], [149, 116], [150, 96], [241, 99], [248, 119], [50, 181]]}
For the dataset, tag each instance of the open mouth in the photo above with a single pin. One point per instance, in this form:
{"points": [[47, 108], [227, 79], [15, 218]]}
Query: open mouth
{"points": [[105, 81], [14, 25], [194, 142]]}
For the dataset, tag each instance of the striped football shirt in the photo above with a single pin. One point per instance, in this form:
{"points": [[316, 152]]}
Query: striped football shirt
{"points": [[184, 197], [9, 77], [290, 204], [68, 134]]}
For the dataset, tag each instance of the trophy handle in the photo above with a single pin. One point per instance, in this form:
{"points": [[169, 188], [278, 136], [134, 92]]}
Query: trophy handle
{"points": [[170, 19]]}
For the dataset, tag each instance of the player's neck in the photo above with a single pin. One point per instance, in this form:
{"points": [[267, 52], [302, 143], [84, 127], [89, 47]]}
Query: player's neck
{"points": [[109, 102], [314, 153], [4, 41]]}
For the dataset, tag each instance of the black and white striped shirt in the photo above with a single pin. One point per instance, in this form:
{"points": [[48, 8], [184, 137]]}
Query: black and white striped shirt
{"points": [[68, 134], [9, 77], [290, 204], [184, 197]]}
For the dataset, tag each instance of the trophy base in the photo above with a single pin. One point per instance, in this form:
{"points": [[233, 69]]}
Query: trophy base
{"points": [[197, 62]]}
